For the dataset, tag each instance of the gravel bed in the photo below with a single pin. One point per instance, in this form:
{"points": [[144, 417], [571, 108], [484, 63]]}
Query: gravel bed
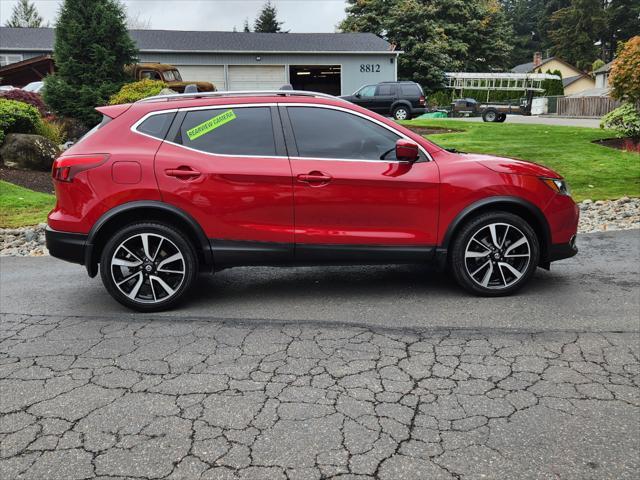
{"points": [[599, 216]]}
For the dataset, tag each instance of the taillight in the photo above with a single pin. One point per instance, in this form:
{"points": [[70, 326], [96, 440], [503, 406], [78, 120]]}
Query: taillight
{"points": [[421, 101], [65, 168]]}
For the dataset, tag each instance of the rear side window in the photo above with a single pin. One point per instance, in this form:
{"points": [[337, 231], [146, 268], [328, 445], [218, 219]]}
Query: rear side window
{"points": [[230, 131], [410, 90], [157, 125], [385, 90]]}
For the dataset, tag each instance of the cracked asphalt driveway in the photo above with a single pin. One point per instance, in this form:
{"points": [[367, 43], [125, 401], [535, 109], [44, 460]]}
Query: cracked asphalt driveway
{"points": [[112, 395]]}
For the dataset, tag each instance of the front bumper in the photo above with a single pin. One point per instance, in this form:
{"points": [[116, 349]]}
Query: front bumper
{"points": [[558, 251], [66, 246]]}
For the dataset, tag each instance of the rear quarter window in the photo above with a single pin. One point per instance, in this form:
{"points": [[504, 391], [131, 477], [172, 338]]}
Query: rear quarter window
{"points": [[157, 125], [410, 90]]}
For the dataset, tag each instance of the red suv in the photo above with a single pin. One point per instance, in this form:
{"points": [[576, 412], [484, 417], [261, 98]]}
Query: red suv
{"points": [[173, 185]]}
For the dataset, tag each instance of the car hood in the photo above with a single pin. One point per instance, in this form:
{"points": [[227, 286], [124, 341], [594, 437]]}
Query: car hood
{"points": [[513, 166]]}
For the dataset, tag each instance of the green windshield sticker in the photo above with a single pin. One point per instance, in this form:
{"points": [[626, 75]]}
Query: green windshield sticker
{"points": [[210, 124]]}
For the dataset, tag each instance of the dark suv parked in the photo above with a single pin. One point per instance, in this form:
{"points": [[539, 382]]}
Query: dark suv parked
{"points": [[402, 100]]}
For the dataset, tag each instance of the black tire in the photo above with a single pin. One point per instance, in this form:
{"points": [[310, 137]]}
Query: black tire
{"points": [[502, 117], [490, 115], [152, 278], [466, 258], [402, 112]]}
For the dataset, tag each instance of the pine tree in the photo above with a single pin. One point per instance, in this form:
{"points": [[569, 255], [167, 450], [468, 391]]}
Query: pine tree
{"points": [[25, 15], [91, 48], [267, 21], [574, 31], [246, 26]]}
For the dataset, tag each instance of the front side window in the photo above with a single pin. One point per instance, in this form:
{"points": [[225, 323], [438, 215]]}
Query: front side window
{"points": [[368, 91], [229, 131], [327, 133], [168, 76]]}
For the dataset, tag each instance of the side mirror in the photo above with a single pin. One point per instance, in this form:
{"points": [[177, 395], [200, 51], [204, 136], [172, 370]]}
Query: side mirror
{"points": [[407, 150], [357, 95]]}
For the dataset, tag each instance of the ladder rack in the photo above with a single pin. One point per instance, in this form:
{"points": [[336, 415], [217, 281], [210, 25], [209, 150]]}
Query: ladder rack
{"points": [[498, 81]]}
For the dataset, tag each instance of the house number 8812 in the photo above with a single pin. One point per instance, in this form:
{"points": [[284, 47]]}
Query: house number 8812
{"points": [[370, 67]]}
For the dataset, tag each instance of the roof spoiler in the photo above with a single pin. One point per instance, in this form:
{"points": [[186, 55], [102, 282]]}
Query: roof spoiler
{"points": [[113, 111]]}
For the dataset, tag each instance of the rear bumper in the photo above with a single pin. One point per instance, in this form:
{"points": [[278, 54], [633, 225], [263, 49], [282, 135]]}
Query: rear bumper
{"points": [[558, 251], [66, 246]]}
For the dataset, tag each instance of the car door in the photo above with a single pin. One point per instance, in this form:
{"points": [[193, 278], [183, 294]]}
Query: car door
{"points": [[365, 97], [384, 98], [227, 167], [352, 197]]}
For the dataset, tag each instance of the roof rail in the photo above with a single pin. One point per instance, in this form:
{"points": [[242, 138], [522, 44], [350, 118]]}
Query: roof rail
{"points": [[238, 93]]}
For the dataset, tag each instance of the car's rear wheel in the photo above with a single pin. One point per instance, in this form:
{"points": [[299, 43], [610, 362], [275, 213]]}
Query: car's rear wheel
{"points": [[148, 266], [502, 117], [401, 113], [490, 116], [495, 254]]}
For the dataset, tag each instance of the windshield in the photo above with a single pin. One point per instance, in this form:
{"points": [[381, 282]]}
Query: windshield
{"points": [[33, 87], [176, 75]]}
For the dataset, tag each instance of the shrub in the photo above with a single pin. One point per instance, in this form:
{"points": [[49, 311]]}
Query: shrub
{"points": [[27, 97], [52, 129], [625, 72], [440, 98], [135, 91], [17, 117], [625, 120]]}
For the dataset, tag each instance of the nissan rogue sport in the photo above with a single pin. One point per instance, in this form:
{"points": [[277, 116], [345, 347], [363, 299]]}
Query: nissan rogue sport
{"points": [[170, 186]]}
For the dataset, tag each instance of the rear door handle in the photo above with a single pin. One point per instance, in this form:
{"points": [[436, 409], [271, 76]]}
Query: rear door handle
{"points": [[183, 172], [314, 177]]}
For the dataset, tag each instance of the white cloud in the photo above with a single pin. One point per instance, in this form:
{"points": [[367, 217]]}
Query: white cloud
{"points": [[298, 15]]}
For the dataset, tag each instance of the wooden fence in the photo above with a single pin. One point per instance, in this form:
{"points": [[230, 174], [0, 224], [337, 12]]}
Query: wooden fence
{"points": [[586, 106]]}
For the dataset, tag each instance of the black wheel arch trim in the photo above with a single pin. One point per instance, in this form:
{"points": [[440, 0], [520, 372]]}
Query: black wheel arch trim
{"points": [[398, 103], [496, 201], [90, 258]]}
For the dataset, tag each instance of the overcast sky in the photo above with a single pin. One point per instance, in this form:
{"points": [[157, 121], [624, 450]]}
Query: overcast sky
{"points": [[298, 15]]}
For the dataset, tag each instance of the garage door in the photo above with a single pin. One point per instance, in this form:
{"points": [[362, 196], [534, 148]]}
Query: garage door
{"points": [[203, 73], [261, 77]]}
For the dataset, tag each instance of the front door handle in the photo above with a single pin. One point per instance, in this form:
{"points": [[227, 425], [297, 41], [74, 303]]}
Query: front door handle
{"points": [[315, 178], [183, 172]]}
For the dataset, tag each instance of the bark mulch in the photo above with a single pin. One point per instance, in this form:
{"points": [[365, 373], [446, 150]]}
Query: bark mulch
{"points": [[38, 181]]}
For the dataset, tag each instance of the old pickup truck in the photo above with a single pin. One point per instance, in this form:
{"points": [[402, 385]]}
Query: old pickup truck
{"points": [[168, 74]]}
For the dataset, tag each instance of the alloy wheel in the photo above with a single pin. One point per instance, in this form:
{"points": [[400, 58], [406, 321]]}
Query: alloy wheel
{"points": [[401, 114], [148, 268], [497, 256]]}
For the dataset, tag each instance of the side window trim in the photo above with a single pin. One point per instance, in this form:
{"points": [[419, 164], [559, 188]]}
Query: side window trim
{"points": [[293, 148]]}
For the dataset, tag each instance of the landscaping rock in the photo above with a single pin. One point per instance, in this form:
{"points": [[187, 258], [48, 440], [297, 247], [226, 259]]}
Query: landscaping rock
{"points": [[29, 152], [23, 242]]}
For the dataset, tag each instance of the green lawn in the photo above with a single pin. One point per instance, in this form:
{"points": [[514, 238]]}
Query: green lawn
{"points": [[20, 206], [593, 171]]}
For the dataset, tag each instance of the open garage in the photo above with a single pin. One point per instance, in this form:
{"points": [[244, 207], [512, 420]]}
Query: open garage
{"points": [[334, 63]]}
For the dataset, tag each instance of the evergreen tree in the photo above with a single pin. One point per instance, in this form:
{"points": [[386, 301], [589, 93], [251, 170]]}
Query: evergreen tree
{"points": [[575, 30], [246, 26], [25, 15], [622, 23], [524, 16], [553, 87], [267, 21], [91, 48]]}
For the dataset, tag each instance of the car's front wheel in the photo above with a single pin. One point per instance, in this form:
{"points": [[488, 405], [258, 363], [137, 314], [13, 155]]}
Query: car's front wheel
{"points": [[494, 254], [148, 266]]}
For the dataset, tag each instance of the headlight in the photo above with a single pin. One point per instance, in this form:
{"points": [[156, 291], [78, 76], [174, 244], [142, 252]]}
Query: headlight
{"points": [[558, 185]]}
